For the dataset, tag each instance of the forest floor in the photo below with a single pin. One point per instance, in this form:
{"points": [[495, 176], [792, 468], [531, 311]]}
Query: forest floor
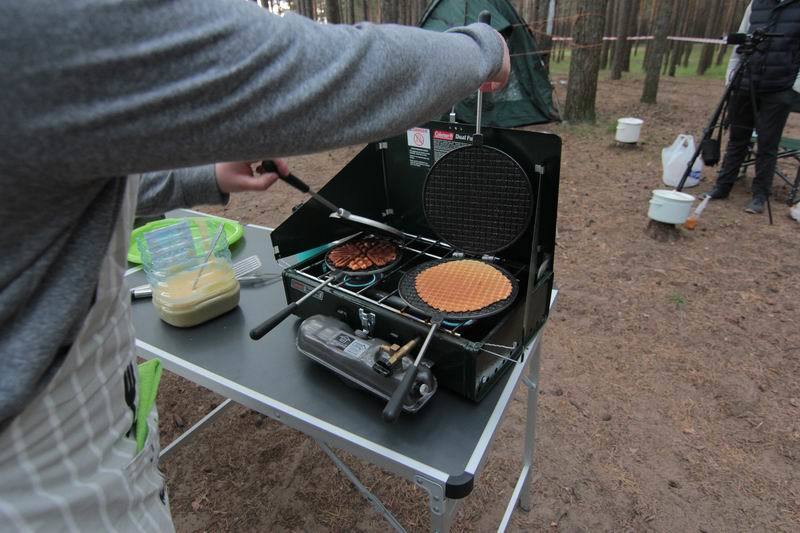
{"points": [[670, 388]]}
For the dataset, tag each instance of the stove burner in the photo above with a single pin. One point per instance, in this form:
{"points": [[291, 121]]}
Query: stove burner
{"points": [[359, 282], [453, 324]]}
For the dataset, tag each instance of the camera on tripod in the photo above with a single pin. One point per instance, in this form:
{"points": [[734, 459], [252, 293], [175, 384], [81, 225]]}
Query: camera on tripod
{"points": [[748, 42], [709, 148]]}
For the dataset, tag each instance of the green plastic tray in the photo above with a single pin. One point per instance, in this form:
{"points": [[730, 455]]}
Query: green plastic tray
{"points": [[233, 232]]}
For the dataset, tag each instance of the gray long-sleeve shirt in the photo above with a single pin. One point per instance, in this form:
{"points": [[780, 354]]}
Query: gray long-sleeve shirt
{"points": [[94, 90]]}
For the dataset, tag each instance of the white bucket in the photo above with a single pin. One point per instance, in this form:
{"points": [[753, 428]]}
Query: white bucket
{"points": [[628, 129], [674, 159], [670, 207]]}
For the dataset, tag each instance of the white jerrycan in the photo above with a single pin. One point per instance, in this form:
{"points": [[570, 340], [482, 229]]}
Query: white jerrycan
{"points": [[674, 160]]}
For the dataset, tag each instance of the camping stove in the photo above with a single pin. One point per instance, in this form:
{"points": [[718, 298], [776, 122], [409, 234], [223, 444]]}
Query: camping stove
{"points": [[385, 182]]}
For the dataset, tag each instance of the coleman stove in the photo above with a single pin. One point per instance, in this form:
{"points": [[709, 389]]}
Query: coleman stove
{"points": [[462, 282]]}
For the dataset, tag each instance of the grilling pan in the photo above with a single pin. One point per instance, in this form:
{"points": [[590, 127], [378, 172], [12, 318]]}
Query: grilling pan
{"points": [[408, 292], [334, 274]]}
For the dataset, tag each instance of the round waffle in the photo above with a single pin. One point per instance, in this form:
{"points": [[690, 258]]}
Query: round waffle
{"points": [[363, 254], [462, 285]]}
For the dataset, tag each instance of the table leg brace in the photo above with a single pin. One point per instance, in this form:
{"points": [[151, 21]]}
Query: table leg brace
{"points": [[371, 498]]}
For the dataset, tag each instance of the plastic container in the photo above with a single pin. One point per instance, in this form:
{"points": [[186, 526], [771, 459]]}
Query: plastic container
{"points": [[674, 159], [670, 207], [691, 222], [189, 289], [628, 130]]}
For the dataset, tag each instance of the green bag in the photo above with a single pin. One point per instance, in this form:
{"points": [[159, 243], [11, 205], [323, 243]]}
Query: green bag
{"points": [[149, 378]]}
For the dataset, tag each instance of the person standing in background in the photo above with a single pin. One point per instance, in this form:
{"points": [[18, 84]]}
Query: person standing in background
{"points": [[773, 76]]}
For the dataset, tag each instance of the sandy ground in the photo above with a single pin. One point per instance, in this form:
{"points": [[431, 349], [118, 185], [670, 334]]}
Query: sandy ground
{"points": [[670, 396]]}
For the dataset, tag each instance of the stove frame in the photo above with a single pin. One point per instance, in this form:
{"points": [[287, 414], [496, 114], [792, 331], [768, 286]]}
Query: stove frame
{"points": [[469, 357]]}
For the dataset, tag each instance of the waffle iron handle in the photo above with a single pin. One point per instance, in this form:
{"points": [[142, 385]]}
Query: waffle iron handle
{"points": [[270, 323], [395, 405], [486, 18], [291, 179]]}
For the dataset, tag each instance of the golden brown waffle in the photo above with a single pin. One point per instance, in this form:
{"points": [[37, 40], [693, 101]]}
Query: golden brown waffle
{"points": [[342, 255], [363, 254], [382, 253], [462, 285]]}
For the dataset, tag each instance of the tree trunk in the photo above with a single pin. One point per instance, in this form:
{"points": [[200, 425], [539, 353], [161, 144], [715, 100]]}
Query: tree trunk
{"points": [[707, 53], [608, 30], [332, 13], [650, 27], [682, 24], [653, 70], [585, 65], [633, 16], [618, 61], [388, 11]]}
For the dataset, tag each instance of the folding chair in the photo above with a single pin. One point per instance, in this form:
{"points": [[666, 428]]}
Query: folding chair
{"points": [[788, 148]]}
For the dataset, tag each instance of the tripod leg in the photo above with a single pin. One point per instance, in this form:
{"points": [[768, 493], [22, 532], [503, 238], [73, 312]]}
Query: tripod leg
{"points": [[769, 210]]}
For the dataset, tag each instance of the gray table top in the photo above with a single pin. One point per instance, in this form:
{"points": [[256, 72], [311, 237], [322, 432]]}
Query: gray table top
{"points": [[447, 437]]}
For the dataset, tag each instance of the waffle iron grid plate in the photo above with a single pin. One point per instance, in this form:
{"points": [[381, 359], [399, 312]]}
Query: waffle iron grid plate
{"points": [[478, 199]]}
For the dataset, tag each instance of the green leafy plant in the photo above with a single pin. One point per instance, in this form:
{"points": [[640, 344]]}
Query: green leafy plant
{"points": [[678, 300]]}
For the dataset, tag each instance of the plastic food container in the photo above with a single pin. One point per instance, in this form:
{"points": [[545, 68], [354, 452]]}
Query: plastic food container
{"points": [[670, 207], [628, 130], [189, 289]]}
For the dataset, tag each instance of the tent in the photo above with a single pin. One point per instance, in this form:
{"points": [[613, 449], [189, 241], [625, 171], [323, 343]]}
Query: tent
{"points": [[528, 98]]}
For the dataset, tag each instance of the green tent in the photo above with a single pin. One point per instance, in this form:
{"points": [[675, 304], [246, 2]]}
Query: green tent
{"points": [[528, 98]]}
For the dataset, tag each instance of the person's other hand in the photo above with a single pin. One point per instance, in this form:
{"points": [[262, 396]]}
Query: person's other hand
{"points": [[500, 79], [239, 176]]}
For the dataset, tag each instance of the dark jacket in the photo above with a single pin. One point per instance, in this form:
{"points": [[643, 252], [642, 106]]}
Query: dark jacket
{"points": [[775, 63]]}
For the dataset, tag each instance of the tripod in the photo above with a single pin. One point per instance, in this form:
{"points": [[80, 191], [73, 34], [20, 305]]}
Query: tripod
{"points": [[746, 50]]}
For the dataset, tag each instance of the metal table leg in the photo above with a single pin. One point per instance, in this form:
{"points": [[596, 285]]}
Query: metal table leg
{"points": [[376, 503], [530, 425], [442, 515], [522, 490], [190, 433]]}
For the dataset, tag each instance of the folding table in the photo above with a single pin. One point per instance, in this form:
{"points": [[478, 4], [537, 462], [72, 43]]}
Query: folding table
{"points": [[442, 448]]}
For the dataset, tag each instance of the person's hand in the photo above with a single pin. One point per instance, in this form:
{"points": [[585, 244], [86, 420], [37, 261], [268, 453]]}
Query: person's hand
{"points": [[500, 79], [239, 176]]}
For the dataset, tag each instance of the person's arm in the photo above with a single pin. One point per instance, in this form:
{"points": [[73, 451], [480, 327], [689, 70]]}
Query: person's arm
{"points": [[98, 89], [160, 192], [733, 62]]}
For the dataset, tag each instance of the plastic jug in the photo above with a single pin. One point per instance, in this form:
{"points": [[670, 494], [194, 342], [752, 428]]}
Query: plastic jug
{"points": [[674, 160]]}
